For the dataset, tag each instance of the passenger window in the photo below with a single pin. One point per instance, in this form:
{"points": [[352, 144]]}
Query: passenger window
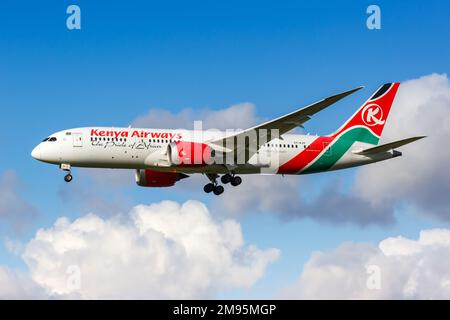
{"points": [[52, 139]]}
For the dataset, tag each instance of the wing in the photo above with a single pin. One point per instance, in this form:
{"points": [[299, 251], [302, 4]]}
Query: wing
{"points": [[256, 136]]}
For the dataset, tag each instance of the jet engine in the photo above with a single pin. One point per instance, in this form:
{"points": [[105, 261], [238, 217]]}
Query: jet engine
{"points": [[184, 153], [152, 178]]}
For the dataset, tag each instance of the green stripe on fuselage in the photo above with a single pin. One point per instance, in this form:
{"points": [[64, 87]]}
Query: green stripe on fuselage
{"points": [[340, 147]]}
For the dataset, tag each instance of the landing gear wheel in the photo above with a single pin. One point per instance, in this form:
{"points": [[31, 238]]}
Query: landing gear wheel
{"points": [[208, 187], [235, 181], [68, 177], [226, 178], [218, 190]]}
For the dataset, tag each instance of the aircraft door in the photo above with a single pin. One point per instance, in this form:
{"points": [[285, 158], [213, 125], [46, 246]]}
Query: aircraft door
{"points": [[77, 139], [328, 151], [326, 159]]}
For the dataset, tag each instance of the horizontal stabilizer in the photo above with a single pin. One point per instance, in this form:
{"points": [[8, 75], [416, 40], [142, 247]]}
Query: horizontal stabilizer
{"points": [[389, 146]]}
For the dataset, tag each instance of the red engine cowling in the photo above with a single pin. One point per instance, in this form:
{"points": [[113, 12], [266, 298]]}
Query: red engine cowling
{"points": [[183, 153], [152, 178]]}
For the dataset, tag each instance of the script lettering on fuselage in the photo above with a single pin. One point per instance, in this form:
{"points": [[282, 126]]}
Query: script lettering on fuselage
{"points": [[135, 134]]}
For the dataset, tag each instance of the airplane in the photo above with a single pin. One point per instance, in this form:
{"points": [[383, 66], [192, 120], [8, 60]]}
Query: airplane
{"points": [[161, 158]]}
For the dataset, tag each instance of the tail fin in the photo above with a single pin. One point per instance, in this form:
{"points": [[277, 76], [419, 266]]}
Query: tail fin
{"points": [[370, 119]]}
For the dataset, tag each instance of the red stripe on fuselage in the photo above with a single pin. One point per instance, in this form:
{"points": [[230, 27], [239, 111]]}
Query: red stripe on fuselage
{"points": [[305, 157]]}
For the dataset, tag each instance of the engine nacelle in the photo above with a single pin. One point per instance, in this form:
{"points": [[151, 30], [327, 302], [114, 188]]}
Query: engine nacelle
{"points": [[152, 178], [183, 153]]}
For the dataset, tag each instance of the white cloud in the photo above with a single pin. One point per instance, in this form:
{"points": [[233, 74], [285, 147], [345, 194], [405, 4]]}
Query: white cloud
{"points": [[420, 177], [409, 269], [17, 285], [164, 250], [287, 197], [238, 116]]}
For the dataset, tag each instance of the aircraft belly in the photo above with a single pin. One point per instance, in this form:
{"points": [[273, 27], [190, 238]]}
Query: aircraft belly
{"points": [[99, 157]]}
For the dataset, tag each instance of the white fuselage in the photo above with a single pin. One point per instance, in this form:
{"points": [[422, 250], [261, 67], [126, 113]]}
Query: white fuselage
{"points": [[133, 148]]}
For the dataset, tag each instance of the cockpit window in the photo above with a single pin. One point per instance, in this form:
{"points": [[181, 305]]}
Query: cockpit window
{"points": [[45, 139], [52, 139]]}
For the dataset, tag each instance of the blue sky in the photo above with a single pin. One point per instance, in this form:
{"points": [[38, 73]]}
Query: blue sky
{"points": [[131, 56]]}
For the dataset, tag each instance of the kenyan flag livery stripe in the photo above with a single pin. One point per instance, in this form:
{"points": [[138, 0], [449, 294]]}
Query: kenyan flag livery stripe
{"points": [[366, 125]]}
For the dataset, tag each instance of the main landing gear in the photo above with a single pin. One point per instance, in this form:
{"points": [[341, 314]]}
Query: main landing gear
{"points": [[234, 180], [68, 177], [66, 167], [217, 189], [211, 187]]}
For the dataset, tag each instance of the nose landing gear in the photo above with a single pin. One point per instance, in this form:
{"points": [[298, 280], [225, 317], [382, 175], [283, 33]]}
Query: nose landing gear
{"points": [[68, 177], [66, 167]]}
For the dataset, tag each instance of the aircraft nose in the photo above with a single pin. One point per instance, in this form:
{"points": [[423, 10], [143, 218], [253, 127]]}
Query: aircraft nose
{"points": [[36, 153]]}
